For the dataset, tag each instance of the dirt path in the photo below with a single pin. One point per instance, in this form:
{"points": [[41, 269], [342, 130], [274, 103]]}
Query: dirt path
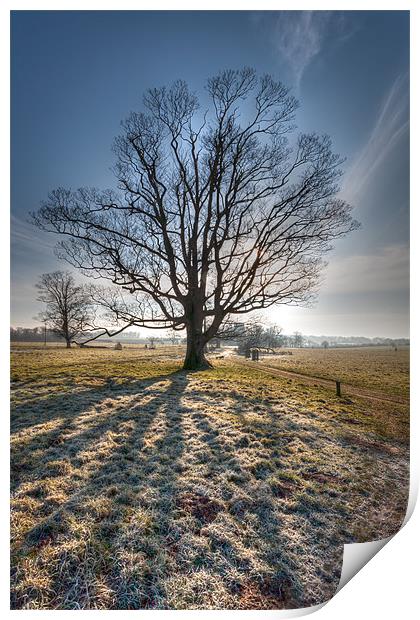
{"points": [[346, 389]]}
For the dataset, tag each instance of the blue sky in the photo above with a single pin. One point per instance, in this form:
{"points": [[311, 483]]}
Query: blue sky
{"points": [[76, 75]]}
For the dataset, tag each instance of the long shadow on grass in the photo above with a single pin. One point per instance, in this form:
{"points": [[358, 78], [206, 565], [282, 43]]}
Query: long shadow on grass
{"points": [[66, 400], [66, 424], [118, 456], [126, 517], [279, 584]]}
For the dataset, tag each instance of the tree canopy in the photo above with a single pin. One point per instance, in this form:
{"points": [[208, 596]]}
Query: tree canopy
{"points": [[219, 210]]}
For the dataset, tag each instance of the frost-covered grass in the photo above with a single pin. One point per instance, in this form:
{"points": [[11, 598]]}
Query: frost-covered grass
{"points": [[135, 485], [377, 368]]}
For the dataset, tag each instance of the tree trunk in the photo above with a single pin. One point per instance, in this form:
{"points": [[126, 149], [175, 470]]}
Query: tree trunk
{"points": [[195, 358], [68, 344]]}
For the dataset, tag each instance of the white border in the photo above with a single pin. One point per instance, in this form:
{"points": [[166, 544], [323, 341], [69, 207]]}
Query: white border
{"points": [[385, 588]]}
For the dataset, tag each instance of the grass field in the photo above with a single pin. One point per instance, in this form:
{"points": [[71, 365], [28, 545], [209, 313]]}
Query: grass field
{"points": [[378, 368], [135, 485]]}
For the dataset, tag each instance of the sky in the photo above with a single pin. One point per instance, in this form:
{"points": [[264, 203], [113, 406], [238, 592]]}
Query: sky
{"points": [[76, 74]]}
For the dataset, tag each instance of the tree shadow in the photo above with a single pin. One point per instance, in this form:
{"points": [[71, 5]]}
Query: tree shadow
{"points": [[59, 419], [128, 510], [267, 508], [102, 500], [279, 584]]}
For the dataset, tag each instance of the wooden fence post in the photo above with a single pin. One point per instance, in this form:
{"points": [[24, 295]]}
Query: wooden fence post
{"points": [[338, 388]]}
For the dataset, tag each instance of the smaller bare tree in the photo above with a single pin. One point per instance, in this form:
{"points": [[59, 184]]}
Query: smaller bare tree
{"points": [[152, 342], [297, 340], [252, 337], [68, 311], [273, 337], [173, 337]]}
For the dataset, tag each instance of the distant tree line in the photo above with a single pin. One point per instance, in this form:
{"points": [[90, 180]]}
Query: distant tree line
{"points": [[353, 341], [263, 337], [32, 334]]}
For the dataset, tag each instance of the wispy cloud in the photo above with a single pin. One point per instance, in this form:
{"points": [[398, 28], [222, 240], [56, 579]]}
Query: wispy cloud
{"points": [[391, 125], [299, 36], [26, 237], [386, 271]]}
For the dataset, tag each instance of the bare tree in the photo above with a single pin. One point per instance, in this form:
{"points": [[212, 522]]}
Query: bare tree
{"points": [[68, 312], [173, 337], [273, 337], [252, 336], [152, 342], [255, 335], [297, 340], [216, 214]]}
